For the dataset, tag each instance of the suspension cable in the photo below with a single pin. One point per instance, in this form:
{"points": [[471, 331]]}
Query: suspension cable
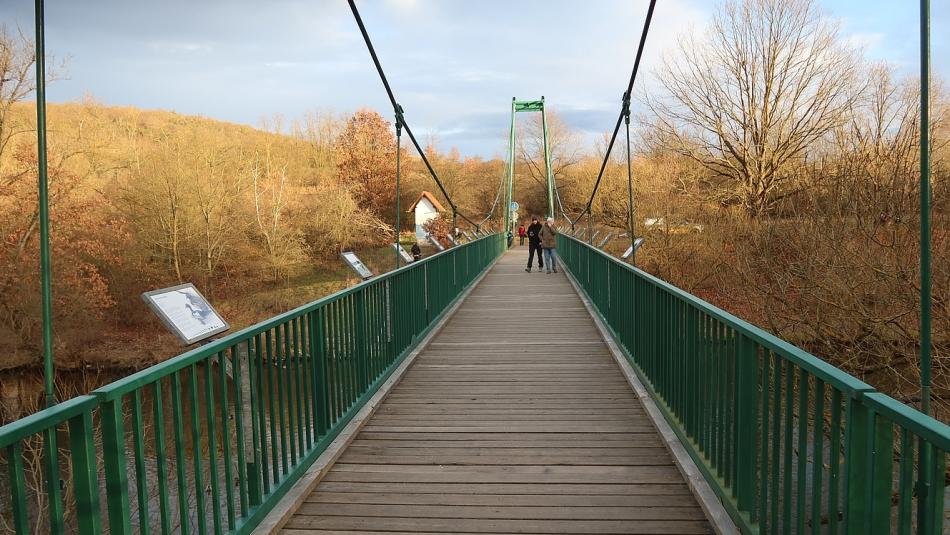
{"points": [[501, 186], [399, 113], [630, 215], [620, 118], [398, 173]]}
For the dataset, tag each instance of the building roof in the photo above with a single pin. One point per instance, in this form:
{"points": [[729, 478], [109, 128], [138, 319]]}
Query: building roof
{"points": [[426, 195]]}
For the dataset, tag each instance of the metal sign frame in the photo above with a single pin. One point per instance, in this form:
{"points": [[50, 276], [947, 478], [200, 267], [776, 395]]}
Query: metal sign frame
{"points": [[406, 257], [432, 239], [636, 245], [197, 305], [356, 265]]}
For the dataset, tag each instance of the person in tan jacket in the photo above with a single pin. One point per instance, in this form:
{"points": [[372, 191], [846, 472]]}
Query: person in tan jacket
{"points": [[549, 244]]}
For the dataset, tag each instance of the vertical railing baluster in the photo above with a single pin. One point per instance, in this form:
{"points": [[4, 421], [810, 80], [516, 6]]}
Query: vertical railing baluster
{"points": [[905, 483], [21, 514], [290, 332], [179, 430], [747, 422], [818, 455], [193, 400], [114, 460], [362, 353], [318, 348], [834, 476], [305, 354], [286, 373], [775, 474], [278, 430], [226, 442], [882, 474], [85, 483], [212, 443], [787, 450], [766, 382], [141, 475], [802, 462], [161, 457], [258, 401], [242, 415]]}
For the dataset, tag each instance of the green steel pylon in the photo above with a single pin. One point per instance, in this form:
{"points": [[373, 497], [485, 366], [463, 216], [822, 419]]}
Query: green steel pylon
{"points": [[518, 106]]}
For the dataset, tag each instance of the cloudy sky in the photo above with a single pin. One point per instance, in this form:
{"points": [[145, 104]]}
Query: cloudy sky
{"points": [[453, 64]]}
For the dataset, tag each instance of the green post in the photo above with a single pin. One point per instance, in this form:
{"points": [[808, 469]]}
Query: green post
{"points": [[114, 460], [511, 169], [398, 170], [746, 387], [925, 288], [858, 449], [46, 286], [547, 160], [85, 485]]}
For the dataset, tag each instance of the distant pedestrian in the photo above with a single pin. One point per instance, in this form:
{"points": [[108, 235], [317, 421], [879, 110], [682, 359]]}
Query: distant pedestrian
{"points": [[522, 233], [534, 244], [549, 244], [416, 252]]}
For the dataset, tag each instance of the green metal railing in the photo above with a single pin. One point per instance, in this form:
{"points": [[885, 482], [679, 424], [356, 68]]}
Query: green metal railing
{"points": [[209, 441], [790, 443]]}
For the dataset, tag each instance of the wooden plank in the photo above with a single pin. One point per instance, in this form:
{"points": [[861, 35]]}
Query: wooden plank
{"points": [[626, 512], [515, 419], [538, 500], [454, 525], [673, 488]]}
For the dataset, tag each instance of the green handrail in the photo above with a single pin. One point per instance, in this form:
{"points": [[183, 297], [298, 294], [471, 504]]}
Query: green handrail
{"points": [[211, 440], [789, 443]]}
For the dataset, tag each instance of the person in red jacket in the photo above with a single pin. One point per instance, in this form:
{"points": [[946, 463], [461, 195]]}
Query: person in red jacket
{"points": [[522, 233]]}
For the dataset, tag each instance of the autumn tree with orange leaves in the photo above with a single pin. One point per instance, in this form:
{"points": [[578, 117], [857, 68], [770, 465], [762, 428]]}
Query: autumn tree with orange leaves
{"points": [[366, 161]]}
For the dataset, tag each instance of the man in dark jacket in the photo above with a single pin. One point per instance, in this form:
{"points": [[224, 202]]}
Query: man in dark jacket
{"points": [[534, 244]]}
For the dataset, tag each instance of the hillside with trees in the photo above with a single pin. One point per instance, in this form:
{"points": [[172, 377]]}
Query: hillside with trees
{"points": [[256, 218]]}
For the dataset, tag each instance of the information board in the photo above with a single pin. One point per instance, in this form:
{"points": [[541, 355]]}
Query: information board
{"points": [[186, 312], [435, 242], [406, 257], [356, 265], [636, 245]]}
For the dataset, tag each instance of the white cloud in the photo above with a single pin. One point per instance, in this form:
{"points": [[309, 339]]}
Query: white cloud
{"points": [[864, 40]]}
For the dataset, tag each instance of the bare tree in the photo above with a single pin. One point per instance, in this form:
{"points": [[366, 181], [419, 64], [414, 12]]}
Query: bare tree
{"points": [[563, 144], [319, 130], [17, 56], [748, 99], [283, 245]]}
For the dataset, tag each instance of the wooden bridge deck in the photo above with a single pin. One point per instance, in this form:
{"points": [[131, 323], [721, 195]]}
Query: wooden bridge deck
{"points": [[515, 419]]}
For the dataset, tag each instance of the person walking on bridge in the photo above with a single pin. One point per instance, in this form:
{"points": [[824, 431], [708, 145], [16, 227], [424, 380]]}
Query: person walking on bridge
{"points": [[534, 244], [522, 233], [549, 244]]}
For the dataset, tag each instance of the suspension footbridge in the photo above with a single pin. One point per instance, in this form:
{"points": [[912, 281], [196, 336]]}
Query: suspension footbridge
{"points": [[458, 394]]}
